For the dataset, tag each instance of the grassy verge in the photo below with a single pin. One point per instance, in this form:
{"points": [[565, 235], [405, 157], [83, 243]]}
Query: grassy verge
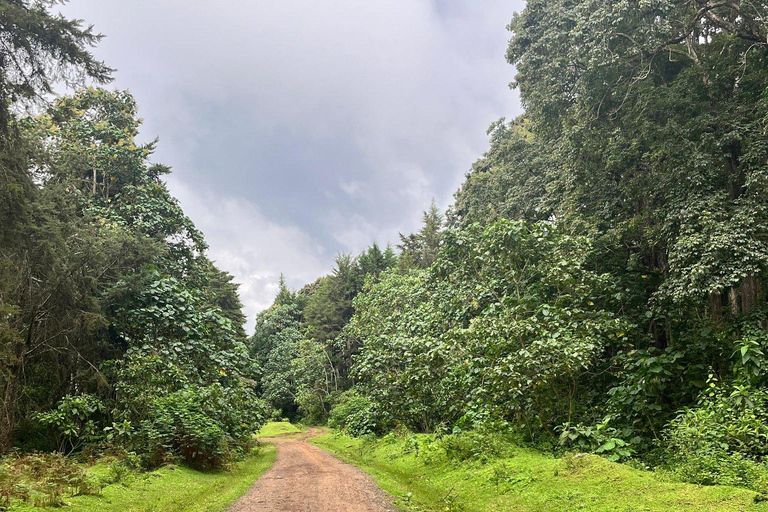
{"points": [[417, 471], [172, 489], [278, 428]]}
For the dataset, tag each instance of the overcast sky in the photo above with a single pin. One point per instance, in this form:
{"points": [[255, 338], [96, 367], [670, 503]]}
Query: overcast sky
{"points": [[298, 129]]}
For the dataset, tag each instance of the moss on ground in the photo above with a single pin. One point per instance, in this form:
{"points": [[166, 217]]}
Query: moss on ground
{"points": [[418, 473]]}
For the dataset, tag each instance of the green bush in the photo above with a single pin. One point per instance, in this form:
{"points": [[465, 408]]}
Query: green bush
{"points": [[723, 439], [204, 426], [600, 439], [357, 415], [718, 467], [472, 445], [77, 420]]}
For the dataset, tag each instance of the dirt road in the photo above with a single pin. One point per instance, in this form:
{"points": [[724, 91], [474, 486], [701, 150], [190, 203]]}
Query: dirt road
{"points": [[308, 479]]}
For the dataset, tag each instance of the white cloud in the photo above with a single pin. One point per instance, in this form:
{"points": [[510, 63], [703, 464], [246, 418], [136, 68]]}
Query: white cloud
{"points": [[251, 247], [351, 188]]}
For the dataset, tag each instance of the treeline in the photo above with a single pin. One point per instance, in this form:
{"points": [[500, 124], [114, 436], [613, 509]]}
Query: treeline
{"points": [[115, 328], [302, 342], [601, 281]]}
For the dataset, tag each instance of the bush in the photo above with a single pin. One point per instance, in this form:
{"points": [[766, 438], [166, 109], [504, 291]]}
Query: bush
{"points": [[473, 445], [718, 467], [600, 439], [357, 415], [723, 439], [77, 420], [205, 427]]}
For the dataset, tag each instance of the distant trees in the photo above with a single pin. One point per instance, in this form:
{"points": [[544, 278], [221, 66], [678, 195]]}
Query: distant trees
{"points": [[305, 356]]}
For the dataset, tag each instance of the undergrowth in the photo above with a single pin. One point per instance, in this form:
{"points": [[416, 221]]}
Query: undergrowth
{"points": [[473, 472], [44, 480]]}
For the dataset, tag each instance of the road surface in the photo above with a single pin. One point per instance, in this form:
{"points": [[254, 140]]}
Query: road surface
{"points": [[305, 478]]}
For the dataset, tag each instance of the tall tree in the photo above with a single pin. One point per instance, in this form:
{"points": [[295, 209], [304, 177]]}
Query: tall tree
{"points": [[420, 249], [37, 50], [656, 113]]}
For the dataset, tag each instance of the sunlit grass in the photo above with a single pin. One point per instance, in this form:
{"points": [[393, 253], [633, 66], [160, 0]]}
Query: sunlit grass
{"points": [[277, 428]]}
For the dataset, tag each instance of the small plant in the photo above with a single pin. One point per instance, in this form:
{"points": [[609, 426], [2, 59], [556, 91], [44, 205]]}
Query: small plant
{"points": [[503, 477], [123, 468], [600, 439], [451, 502]]}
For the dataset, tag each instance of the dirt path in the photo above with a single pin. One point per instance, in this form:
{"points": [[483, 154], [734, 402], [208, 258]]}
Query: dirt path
{"points": [[308, 479]]}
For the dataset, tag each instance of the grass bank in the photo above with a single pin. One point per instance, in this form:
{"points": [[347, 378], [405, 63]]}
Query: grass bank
{"points": [[419, 471], [278, 428], [170, 489]]}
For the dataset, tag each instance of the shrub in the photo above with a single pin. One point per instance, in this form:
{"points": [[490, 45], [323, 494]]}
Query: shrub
{"points": [[723, 439], [357, 415], [204, 426], [718, 467], [472, 445], [600, 439], [77, 420]]}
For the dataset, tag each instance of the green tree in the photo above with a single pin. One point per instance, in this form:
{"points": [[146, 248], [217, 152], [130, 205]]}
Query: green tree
{"points": [[508, 182], [420, 249], [658, 132], [38, 49]]}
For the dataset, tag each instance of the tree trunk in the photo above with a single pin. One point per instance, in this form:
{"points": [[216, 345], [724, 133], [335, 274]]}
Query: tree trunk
{"points": [[750, 294], [716, 306], [8, 419], [733, 301]]}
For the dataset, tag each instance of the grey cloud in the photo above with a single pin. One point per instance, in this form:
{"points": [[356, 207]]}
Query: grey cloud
{"points": [[332, 122]]}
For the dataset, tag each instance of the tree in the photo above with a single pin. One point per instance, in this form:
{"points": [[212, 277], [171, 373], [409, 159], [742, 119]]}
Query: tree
{"points": [[508, 181], [505, 328], [37, 49], [656, 113], [420, 249]]}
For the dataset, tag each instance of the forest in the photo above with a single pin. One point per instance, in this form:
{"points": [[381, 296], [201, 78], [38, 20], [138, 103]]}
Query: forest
{"points": [[599, 284]]}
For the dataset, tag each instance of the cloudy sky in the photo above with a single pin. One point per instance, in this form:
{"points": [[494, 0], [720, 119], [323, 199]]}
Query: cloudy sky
{"points": [[298, 129]]}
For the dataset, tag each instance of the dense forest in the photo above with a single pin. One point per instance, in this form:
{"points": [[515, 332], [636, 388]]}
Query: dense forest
{"points": [[114, 325], [599, 283]]}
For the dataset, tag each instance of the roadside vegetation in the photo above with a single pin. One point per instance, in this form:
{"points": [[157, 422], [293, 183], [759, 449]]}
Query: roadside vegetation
{"points": [[474, 473], [118, 335], [113, 484], [600, 283]]}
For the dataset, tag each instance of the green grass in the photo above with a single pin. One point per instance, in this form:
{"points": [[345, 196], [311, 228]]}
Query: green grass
{"points": [[173, 488], [277, 428], [524, 481]]}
